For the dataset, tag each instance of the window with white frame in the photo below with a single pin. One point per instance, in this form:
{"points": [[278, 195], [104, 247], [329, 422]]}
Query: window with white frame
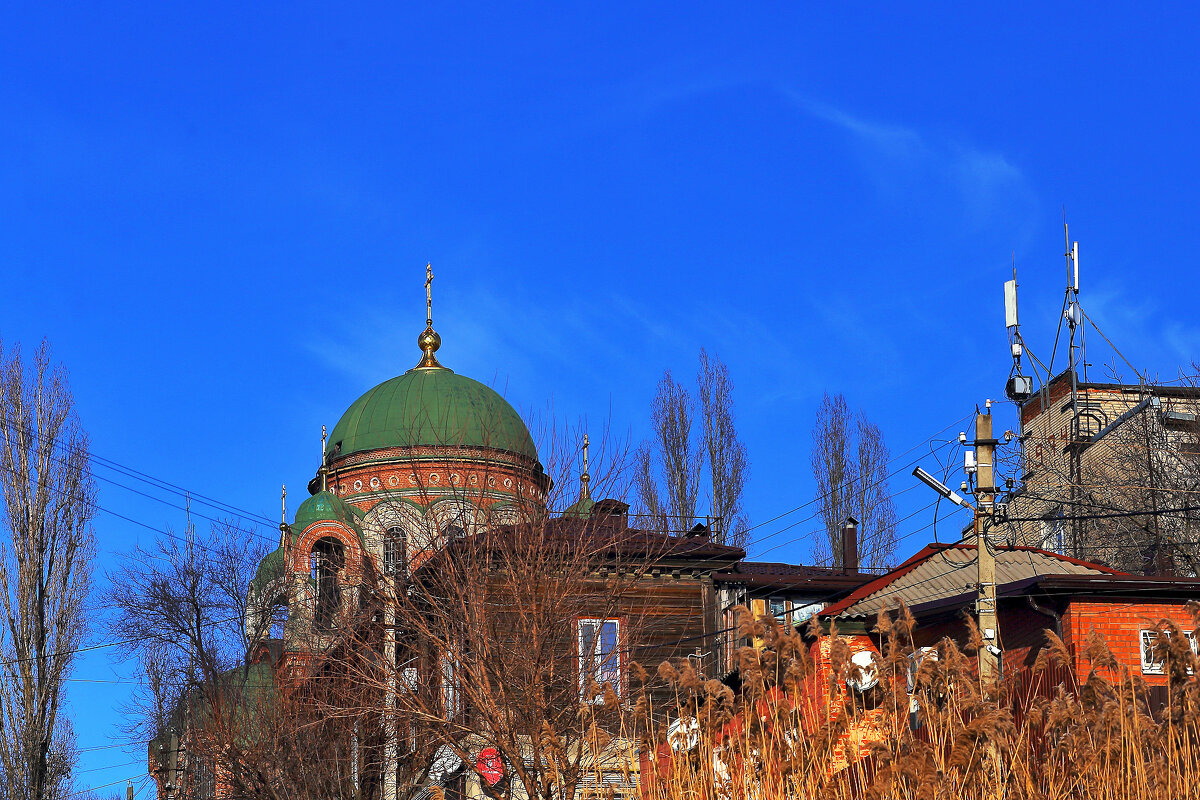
{"points": [[1054, 533], [451, 700], [599, 656], [777, 608], [393, 551], [1151, 664], [802, 613]]}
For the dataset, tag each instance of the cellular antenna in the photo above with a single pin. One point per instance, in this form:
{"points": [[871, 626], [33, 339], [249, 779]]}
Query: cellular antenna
{"points": [[1019, 387], [1010, 303]]}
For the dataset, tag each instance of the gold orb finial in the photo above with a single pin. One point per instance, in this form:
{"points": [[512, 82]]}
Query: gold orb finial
{"points": [[429, 341]]}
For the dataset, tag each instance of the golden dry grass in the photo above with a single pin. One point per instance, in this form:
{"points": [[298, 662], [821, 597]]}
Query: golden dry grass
{"points": [[796, 732]]}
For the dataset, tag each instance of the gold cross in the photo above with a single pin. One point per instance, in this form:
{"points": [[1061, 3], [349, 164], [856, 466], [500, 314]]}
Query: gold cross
{"points": [[429, 293]]}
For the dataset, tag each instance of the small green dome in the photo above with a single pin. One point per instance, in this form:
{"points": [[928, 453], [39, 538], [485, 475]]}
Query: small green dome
{"points": [[325, 506], [270, 569], [430, 407]]}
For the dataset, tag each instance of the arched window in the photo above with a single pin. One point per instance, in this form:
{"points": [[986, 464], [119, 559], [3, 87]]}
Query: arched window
{"points": [[325, 562], [279, 616], [393, 552]]}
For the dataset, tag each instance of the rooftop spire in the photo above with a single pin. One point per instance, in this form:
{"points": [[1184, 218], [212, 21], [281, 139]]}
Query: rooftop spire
{"points": [[283, 526], [323, 471], [585, 480], [429, 341]]}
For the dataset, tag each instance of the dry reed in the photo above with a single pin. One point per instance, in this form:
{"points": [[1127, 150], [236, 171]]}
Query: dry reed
{"points": [[927, 730]]}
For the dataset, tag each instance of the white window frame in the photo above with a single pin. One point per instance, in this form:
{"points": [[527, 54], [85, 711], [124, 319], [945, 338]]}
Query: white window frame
{"points": [[451, 691], [1147, 637], [1054, 527], [803, 612], [592, 666], [784, 613]]}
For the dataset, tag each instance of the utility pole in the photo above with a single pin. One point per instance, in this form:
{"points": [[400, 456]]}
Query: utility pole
{"points": [[985, 506], [983, 463]]}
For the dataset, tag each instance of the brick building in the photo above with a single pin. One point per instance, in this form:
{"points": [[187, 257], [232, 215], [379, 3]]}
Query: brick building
{"points": [[1108, 472], [1037, 592], [417, 471]]}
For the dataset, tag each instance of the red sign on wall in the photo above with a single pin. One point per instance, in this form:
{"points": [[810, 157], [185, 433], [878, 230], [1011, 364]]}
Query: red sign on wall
{"points": [[490, 765]]}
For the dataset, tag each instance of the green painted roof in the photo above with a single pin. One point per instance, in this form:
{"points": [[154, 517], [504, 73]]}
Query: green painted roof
{"points": [[327, 506], [270, 569], [431, 407], [581, 507]]}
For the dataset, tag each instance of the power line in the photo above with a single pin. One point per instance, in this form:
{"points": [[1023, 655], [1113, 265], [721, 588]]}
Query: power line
{"points": [[136, 491], [887, 477], [889, 462]]}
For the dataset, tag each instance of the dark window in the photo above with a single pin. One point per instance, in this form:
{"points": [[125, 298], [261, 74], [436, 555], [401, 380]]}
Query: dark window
{"points": [[393, 552], [325, 562], [778, 609], [599, 656]]}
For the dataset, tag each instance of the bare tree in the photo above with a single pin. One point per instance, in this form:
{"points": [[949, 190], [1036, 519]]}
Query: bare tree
{"points": [[219, 710], [672, 415], [727, 462], [849, 463], [181, 605], [517, 634], [49, 502], [668, 469], [645, 483]]}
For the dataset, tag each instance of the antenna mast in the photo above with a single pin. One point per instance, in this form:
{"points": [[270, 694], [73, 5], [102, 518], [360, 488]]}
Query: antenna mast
{"points": [[1019, 387], [1074, 318]]}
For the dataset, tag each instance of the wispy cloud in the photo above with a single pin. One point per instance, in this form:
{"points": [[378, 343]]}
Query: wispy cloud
{"points": [[903, 161], [1149, 336]]}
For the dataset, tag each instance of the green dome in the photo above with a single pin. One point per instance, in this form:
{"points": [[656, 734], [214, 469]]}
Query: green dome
{"points": [[270, 569], [430, 407], [326, 506]]}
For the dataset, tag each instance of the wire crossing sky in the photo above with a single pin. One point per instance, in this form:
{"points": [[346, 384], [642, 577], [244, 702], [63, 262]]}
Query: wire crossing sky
{"points": [[221, 216]]}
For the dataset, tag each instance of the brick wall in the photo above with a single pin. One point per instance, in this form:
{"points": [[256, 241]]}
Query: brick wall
{"points": [[1022, 634], [1119, 621]]}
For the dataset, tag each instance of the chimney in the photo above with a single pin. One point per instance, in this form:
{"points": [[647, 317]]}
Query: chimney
{"points": [[850, 546]]}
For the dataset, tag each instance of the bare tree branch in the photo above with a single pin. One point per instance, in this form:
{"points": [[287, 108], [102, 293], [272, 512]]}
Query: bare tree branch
{"points": [[727, 460], [49, 502], [849, 462]]}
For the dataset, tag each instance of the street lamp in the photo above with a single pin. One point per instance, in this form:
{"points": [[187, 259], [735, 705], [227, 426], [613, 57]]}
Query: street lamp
{"points": [[941, 488]]}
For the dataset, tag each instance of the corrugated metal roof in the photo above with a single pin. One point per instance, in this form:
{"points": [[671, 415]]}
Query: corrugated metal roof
{"points": [[950, 571]]}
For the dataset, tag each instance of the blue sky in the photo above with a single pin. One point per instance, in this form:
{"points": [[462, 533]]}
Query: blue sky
{"points": [[220, 217]]}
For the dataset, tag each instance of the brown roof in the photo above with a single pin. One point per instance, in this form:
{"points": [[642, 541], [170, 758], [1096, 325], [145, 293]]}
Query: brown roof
{"points": [[940, 572], [610, 538], [794, 577]]}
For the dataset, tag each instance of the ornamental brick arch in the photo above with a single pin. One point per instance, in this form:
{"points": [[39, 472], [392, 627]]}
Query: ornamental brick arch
{"points": [[389, 515], [454, 513], [351, 547]]}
